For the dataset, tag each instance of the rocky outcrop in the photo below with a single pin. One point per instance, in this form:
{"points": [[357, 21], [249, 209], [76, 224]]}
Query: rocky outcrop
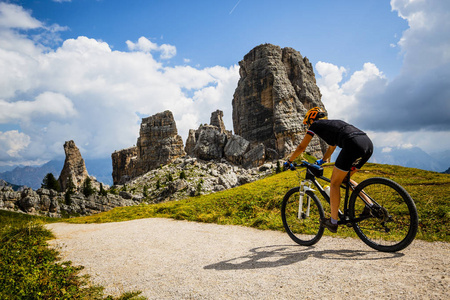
{"points": [[74, 168], [158, 144], [276, 88], [124, 162], [188, 176], [235, 149], [54, 204], [208, 141], [217, 121]]}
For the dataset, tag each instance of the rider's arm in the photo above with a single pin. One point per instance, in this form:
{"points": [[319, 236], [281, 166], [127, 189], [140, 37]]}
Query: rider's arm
{"points": [[328, 153], [301, 147]]}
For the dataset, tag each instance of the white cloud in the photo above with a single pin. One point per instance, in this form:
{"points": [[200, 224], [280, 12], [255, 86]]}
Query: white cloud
{"points": [[413, 109], [13, 16], [425, 43], [145, 45], [84, 91], [386, 150], [341, 98], [14, 141], [46, 105]]}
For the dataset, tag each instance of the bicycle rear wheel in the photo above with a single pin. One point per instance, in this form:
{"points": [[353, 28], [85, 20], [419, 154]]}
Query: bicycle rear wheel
{"points": [[304, 229], [392, 223]]}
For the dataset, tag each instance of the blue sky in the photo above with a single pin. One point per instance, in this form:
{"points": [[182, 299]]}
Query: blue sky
{"points": [[213, 33], [89, 70]]}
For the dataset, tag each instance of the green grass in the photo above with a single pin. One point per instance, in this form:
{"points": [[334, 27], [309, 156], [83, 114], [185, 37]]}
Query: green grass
{"points": [[258, 204], [29, 269]]}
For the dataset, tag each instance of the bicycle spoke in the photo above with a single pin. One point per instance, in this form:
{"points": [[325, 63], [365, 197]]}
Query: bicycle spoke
{"points": [[392, 222], [304, 227]]}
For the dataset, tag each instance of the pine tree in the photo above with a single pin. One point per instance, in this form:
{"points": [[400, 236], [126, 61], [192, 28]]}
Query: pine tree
{"points": [[87, 187], [49, 182], [70, 190], [102, 192]]}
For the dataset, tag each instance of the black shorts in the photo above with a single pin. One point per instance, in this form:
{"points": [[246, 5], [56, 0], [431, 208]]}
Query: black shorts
{"points": [[355, 152]]}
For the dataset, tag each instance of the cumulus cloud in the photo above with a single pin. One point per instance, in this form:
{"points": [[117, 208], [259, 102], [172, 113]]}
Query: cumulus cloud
{"points": [[341, 98], [14, 141], [85, 91], [13, 16], [412, 108], [145, 45], [47, 104]]}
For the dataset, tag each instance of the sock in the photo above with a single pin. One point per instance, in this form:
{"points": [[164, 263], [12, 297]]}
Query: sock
{"points": [[333, 221], [370, 205]]}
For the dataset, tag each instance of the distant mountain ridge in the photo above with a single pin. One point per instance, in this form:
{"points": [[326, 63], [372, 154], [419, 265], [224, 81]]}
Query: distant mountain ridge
{"points": [[409, 157], [32, 176]]}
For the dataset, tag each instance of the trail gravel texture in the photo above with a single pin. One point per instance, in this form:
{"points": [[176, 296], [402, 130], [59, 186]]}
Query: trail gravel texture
{"points": [[168, 259]]}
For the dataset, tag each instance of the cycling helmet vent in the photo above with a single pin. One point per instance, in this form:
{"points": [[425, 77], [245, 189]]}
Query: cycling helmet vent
{"points": [[313, 114]]}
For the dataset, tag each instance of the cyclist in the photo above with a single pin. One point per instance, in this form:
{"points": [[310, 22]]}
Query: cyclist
{"points": [[356, 150]]}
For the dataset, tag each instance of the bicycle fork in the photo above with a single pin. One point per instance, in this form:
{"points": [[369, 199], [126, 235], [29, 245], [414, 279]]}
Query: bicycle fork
{"points": [[305, 186]]}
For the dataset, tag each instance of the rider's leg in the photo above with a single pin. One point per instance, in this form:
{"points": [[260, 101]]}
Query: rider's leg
{"points": [[361, 194], [335, 191]]}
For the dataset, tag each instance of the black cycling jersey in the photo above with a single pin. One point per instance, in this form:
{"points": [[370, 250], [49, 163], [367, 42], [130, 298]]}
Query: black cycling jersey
{"points": [[334, 132]]}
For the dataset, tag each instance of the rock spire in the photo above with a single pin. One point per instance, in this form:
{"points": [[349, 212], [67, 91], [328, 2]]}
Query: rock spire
{"points": [[276, 88], [74, 168]]}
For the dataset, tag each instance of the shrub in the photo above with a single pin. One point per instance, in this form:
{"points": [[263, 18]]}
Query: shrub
{"points": [[145, 191], [169, 177], [49, 182], [278, 169]]}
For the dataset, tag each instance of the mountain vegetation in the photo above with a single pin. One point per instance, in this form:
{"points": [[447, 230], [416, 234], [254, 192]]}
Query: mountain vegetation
{"points": [[28, 267], [257, 204]]}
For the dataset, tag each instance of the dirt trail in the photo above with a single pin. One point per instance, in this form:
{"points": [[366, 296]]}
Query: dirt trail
{"points": [[167, 259]]}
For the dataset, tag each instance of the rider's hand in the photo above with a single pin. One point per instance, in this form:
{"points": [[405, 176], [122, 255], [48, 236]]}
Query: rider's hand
{"points": [[319, 162], [288, 165]]}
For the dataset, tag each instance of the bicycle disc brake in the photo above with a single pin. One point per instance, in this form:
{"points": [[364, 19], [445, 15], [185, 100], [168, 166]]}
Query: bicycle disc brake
{"points": [[382, 214]]}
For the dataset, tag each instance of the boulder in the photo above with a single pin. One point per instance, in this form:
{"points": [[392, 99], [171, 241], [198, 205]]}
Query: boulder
{"points": [[235, 149], [210, 144], [255, 157]]}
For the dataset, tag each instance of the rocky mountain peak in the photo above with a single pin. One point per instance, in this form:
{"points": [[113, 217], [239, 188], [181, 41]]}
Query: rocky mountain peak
{"points": [[276, 88]]}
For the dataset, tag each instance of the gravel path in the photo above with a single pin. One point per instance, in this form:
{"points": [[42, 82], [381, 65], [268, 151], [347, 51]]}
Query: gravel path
{"points": [[167, 259]]}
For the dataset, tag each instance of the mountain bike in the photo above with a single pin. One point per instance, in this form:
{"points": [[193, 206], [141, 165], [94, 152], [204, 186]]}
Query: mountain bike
{"points": [[381, 212]]}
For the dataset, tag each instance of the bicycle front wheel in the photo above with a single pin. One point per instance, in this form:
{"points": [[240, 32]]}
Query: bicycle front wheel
{"points": [[302, 220], [391, 225]]}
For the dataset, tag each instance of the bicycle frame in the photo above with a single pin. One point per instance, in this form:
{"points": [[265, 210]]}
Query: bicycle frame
{"points": [[305, 185]]}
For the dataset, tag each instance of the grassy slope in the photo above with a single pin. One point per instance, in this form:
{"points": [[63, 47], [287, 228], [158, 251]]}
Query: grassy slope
{"points": [[28, 268], [258, 204]]}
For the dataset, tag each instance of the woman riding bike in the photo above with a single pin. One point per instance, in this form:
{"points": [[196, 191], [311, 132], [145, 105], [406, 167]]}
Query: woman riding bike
{"points": [[356, 146]]}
